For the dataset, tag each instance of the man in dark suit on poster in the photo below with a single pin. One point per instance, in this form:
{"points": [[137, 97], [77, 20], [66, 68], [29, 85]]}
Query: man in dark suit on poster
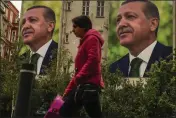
{"points": [[38, 25], [137, 27]]}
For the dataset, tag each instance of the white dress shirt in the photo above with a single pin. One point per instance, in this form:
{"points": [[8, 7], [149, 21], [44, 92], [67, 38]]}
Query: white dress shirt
{"points": [[145, 56], [42, 52]]}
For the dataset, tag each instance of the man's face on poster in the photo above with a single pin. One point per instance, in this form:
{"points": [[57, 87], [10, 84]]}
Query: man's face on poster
{"points": [[35, 28], [132, 25]]}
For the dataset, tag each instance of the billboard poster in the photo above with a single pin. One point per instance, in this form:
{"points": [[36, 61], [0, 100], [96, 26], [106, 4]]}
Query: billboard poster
{"points": [[165, 32], [144, 33]]}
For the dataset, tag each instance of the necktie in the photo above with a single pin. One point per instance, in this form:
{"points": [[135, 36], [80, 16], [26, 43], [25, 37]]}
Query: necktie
{"points": [[135, 66], [34, 59]]}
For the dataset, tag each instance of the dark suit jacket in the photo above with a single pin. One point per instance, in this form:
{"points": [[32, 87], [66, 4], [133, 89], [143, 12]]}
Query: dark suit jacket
{"points": [[50, 55], [160, 51]]}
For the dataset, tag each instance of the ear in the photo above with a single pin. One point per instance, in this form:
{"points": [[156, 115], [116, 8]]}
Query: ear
{"points": [[51, 26], [154, 23]]}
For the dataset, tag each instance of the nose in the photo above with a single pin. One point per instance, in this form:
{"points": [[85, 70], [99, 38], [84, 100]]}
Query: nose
{"points": [[122, 22], [25, 26]]}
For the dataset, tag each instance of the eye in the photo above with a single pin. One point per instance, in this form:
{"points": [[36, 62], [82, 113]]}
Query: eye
{"points": [[32, 20], [118, 20], [131, 17]]}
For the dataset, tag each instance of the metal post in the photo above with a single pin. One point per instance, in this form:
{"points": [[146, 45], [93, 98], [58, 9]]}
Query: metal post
{"points": [[27, 76]]}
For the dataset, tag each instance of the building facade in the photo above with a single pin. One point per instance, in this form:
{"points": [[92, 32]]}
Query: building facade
{"points": [[9, 28], [98, 11], [2, 12]]}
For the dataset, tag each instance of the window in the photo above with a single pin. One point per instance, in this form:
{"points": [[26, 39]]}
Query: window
{"points": [[16, 20], [85, 7], [68, 6], [66, 38], [9, 35], [4, 27], [2, 6], [3, 30], [6, 13], [100, 8], [13, 36], [1, 50], [11, 16]]}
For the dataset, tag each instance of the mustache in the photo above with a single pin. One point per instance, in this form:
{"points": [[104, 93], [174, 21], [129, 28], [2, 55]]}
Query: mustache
{"points": [[124, 30], [26, 30]]}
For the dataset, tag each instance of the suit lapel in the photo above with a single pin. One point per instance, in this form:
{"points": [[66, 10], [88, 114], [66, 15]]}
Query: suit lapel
{"points": [[154, 57], [45, 62], [50, 54], [124, 65]]}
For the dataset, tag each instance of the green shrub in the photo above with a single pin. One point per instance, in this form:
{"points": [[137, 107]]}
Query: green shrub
{"points": [[156, 99]]}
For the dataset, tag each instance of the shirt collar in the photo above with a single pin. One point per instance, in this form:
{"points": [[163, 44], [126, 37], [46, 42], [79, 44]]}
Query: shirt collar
{"points": [[145, 54], [42, 50]]}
